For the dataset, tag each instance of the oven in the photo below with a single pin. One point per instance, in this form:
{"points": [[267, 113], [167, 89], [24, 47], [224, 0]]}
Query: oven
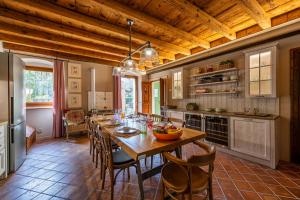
{"points": [[217, 129]]}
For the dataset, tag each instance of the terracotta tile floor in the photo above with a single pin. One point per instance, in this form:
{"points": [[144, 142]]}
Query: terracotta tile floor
{"points": [[58, 169]]}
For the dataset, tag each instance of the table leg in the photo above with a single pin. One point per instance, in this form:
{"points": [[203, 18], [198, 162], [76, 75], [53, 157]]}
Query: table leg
{"points": [[140, 179], [178, 152]]}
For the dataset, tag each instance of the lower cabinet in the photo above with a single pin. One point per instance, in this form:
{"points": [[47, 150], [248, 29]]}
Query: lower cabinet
{"points": [[3, 150], [175, 114], [254, 138], [2, 162]]}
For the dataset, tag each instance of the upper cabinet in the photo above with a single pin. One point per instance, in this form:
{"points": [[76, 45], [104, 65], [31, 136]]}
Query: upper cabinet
{"points": [[177, 84], [260, 72]]}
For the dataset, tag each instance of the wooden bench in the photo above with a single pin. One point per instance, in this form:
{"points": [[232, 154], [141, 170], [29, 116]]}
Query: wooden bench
{"points": [[30, 137]]}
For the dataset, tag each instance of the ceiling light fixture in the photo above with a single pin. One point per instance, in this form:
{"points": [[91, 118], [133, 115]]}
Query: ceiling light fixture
{"points": [[148, 57]]}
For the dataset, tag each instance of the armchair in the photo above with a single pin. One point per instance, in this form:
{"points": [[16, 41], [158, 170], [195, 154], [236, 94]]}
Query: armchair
{"points": [[75, 121]]}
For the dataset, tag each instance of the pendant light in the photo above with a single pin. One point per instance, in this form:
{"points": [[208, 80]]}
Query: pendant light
{"points": [[148, 57]]}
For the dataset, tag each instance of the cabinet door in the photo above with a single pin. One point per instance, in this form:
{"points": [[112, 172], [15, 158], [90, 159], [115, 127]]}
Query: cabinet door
{"points": [[109, 100], [177, 85], [2, 161], [176, 115], [251, 136]]}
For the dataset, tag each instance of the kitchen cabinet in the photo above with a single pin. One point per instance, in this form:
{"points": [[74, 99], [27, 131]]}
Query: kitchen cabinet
{"points": [[175, 114], [260, 71], [179, 81], [3, 150], [255, 138], [103, 100]]}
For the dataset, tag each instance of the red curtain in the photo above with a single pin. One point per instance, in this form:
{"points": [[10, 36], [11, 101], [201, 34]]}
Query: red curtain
{"points": [[59, 98], [117, 104]]}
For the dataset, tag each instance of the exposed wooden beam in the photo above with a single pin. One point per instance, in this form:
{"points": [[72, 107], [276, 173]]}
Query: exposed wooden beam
{"points": [[56, 47], [120, 47], [254, 9], [134, 14], [22, 48], [203, 18], [44, 8], [43, 36]]}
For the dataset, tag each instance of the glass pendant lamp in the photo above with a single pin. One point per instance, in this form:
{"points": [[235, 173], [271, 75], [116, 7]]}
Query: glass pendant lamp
{"points": [[149, 56]]}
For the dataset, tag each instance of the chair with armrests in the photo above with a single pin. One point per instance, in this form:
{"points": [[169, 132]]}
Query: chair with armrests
{"points": [[75, 121], [114, 160], [190, 177]]}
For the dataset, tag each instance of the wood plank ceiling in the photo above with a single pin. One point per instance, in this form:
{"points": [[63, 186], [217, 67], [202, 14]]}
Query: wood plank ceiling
{"points": [[96, 30]]}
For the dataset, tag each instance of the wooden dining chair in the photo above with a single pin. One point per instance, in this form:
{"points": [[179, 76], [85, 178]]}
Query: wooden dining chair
{"points": [[186, 176], [139, 114], [114, 160], [156, 118]]}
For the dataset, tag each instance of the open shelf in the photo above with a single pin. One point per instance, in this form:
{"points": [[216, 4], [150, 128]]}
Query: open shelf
{"points": [[214, 83], [215, 72]]}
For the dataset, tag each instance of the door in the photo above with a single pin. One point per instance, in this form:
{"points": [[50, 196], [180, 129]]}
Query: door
{"points": [[146, 97], [17, 100], [162, 87], [17, 151], [295, 105], [251, 136]]}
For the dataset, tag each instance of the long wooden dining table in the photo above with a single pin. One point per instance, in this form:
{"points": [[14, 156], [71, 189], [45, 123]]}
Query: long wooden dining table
{"points": [[140, 146]]}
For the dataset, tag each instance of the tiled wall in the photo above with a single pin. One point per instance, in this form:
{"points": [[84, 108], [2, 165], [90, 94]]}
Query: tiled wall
{"points": [[232, 103]]}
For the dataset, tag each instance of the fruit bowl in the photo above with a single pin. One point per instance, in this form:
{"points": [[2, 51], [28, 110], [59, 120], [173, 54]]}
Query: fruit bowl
{"points": [[172, 134]]}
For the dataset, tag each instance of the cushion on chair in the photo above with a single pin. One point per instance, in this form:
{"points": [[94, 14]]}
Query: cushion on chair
{"points": [[176, 179], [120, 157]]}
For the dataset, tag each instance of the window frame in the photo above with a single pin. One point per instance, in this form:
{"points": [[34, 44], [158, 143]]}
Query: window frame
{"points": [[38, 104], [273, 49]]}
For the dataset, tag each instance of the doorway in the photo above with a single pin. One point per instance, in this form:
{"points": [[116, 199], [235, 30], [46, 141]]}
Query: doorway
{"points": [[295, 105], [155, 85], [129, 95]]}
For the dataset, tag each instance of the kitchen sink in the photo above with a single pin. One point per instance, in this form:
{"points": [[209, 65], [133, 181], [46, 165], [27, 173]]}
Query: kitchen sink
{"points": [[252, 114]]}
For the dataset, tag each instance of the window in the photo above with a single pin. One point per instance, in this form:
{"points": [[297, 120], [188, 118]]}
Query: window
{"points": [[129, 94], [260, 73], [177, 91], [38, 86]]}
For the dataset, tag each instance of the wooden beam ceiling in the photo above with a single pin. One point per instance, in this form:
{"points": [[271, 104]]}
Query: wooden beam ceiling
{"points": [[203, 18], [142, 17], [95, 30], [254, 9], [22, 48], [45, 9], [57, 47], [106, 44]]}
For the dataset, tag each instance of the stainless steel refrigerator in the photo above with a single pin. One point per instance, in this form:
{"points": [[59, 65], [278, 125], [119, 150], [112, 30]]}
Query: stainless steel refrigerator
{"points": [[12, 107]]}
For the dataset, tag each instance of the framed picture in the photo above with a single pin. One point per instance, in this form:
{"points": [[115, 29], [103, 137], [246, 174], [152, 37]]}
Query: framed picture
{"points": [[74, 70], [74, 101], [74, 85]]}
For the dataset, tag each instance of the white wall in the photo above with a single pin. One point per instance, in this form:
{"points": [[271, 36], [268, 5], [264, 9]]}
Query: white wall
{"points": [[42, 120]]}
